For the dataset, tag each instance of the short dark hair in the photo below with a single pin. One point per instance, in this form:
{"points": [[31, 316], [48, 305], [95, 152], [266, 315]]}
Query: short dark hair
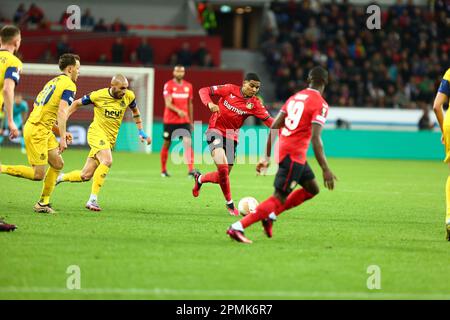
{"points": [[68, 59], [251, 76], [9, 32], [318, 75]]}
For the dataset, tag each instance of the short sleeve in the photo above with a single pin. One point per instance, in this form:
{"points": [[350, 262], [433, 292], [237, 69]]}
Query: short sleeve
{"points": [[444, 87], [86, 99], [320, 114], [13, 73], [260, 111], [167, 90], [220, 90], [68, 96], [132, 99]]}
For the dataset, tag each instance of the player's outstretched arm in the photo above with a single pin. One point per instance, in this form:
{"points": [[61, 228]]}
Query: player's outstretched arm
{"points": [[328, 176], [137, 119], [264, 163], [74, 107], [438, 108], [8, 95]]}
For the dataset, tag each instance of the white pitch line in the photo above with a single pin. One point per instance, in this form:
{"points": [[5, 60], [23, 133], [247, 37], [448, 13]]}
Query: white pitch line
{"points": [[231, 293], [259, 188]]}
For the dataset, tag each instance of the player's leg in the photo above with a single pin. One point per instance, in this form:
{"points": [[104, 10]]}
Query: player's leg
{"points": [[446, 136], [447, 215], [56, 163], [36, 148], [189, 154], [310, 188], [82, 175], [167, 136], [105, 160], [289, 172]]}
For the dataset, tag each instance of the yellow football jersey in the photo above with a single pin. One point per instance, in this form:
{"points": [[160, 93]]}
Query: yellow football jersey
{"points": [[108, 111], [45, 108], [10, 67], [445, 89]]}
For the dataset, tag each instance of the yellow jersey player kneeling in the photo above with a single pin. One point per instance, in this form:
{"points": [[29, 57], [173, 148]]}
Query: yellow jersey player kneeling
{"points": [[49, 109], [110, 105]]}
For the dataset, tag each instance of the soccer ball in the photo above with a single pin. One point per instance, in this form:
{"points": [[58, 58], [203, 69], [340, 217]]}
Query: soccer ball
{"points": [[247, 205]]}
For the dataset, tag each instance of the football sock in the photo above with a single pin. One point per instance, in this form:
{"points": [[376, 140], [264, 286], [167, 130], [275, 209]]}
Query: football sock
{"points": [[210, 177], [99, 178], [447, 193], [189, 156], [19, 171], [164, 156], [49, 185], [73, 176], [224, 181], [262, 211], [294, 199]]}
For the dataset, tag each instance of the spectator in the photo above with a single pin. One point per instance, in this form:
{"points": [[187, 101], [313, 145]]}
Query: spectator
{"points": [[118, 26], [144, 52], [102, 59], [20, 14], [87, 20], [47, 57], [208, 18], [63, 46], [35, 14], [100, 26], [200, 54], [63, 20], [118, 51], [184, 55], [207, 61], [425, 122]]}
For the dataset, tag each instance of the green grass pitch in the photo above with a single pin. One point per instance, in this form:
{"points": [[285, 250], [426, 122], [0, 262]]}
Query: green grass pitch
{"points": [[153, 240]]}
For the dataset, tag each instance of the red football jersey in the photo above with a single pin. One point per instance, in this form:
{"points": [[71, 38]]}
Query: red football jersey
{"points": [[181, 95], [302, 110], [234, 109]]}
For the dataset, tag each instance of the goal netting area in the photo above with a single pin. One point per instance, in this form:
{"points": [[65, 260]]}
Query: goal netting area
{"points": [[141, 81]]}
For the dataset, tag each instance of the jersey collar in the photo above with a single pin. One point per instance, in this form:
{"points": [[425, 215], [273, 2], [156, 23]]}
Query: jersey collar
{"points": [[110, 94], [313, 90], [178, 84]]}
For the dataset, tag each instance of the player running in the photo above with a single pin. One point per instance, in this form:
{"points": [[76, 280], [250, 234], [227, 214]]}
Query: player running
{"points": [[444, 123], [234, 106], [110, 105], [301, 119], [42, 148], [10, 67], [178, 118]]}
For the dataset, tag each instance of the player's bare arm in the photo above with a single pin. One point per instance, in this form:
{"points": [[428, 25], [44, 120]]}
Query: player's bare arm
{"points": [[74, 107], [62, 120], [328, 176], [137, 119], [191, 112], [169, 105], [8, 94], [278, 123], [438, 108]]}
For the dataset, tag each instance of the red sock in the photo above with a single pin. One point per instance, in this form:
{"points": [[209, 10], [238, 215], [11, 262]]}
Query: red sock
{"points": [[224, 181], [210, 177], [189, 156], [294, 199], [164, 156], [262, 211]]}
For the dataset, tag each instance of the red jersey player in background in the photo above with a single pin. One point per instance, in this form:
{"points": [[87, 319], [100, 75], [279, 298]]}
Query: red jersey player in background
{"points": [[178, 118], [301, 119], [235, 105]]}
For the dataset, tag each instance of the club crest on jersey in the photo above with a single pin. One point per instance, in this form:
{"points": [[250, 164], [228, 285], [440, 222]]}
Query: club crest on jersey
{"points": [[249, 106], [186, 89]]}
